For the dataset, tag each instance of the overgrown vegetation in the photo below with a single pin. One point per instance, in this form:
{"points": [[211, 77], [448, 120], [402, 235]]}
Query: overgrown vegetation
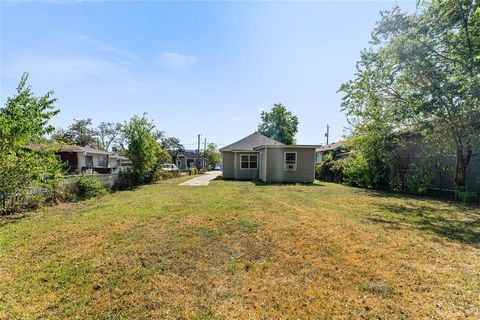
{"points": [[143, 148], [89, 187], [23, 120], [420, 75], [242, 250]]}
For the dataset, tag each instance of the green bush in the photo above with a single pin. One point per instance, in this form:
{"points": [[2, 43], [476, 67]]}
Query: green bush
{"points": [[164, 175], [466, 196], [329, 170], [192, 171], [126, 180], [89, 187], [419, 182]]}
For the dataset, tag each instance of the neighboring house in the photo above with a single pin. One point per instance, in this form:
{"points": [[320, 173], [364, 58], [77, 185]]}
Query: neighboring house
{"points": [[85, 159], [335, 148], [119, 163], [259, 157], [188, 159]]}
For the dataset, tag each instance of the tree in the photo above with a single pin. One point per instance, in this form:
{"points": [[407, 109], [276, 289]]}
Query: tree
{"points": [[24, 120], [107, 134], [80, 133], [279, 124], [142, 147], [211, 154], [423, 74], [172, 145]]}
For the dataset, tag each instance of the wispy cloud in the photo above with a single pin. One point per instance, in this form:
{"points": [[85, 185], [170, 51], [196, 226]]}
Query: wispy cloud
{"points": [[105, 48], [175, 60]]}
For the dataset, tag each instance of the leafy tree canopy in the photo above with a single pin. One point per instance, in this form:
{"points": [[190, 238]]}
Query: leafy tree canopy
{"points": [[172, 145], [279, 124], [24, 120], [421, 74], [212, 155]]}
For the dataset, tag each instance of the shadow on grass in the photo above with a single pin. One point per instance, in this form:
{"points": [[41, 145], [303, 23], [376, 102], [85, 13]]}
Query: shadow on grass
{"points": [[272, 184], [452, 221]]}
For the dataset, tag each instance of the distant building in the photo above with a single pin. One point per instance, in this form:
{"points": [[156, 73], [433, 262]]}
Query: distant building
{"points": [[88, 160], [331, 148], [189, 159]]}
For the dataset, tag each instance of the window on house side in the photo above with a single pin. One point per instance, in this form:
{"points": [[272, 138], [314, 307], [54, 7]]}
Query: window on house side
{"points": [[248, 161], [290, 161]]}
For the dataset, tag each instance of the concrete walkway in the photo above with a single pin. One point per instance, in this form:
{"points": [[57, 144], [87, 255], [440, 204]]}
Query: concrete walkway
{"points": [[202, 180]]}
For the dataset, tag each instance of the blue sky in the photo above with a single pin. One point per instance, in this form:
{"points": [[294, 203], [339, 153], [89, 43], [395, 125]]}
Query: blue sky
{"points": [[194, 67]]}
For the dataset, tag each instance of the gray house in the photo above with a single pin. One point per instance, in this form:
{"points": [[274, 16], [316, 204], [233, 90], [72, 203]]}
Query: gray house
{"points": [[189, 159], [260, 157]]}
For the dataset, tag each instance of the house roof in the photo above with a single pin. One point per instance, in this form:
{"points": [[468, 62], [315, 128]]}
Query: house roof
{"points": [[66, 148], [189, 154], [251, 142], [291, 146], [331, 146], [73, 148]]}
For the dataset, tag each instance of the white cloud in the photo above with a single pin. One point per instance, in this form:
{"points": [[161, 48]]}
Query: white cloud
{"points": [[175, 60]]}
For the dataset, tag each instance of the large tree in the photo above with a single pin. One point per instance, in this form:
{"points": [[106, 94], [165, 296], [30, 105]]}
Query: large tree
{"points": [[142, 147], [24, 120], [80, 132], [279, 124], [107, 134], [172, 145], [212, 155], [422, 74]]}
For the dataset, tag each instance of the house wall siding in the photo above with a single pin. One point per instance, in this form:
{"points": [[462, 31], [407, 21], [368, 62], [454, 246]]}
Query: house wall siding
{"points": [[227, 161], [305, 165]]}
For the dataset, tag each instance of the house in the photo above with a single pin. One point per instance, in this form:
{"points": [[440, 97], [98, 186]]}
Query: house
{"points": [[119, 163], [86, 159], [187, 159], [335, 148], [259, 157]]}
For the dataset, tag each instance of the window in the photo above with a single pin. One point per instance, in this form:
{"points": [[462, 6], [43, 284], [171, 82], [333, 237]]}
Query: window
{"points": [[89, 161], [102, 161], [290, 163], [248, 161]]}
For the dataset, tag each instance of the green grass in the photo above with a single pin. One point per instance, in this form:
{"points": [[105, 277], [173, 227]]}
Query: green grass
{"points": [[240, 250]]}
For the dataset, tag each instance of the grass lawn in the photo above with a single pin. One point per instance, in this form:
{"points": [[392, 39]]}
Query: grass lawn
{"points": [[240, 250]]}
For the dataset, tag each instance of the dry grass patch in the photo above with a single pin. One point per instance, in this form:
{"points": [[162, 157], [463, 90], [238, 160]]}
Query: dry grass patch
{"points": [[240, 250]]}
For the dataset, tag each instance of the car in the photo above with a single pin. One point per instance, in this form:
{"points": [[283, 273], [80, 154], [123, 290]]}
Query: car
{"points": [[218, 167], [169, 167]]}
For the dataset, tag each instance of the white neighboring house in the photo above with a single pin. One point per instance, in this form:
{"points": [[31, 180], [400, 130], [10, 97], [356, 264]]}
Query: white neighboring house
{"points": [[90, 160]]}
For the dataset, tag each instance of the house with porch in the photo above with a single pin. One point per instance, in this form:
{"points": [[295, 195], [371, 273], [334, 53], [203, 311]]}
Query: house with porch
{"points": [[188, 159]]}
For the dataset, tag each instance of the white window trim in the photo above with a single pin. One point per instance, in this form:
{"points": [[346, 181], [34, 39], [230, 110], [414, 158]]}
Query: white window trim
{"points": [[285, 161], [248, 155]]}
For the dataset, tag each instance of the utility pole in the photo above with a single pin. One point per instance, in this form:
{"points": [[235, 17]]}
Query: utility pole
{"points": [[198, 151], [204, 151], [326, 134]]}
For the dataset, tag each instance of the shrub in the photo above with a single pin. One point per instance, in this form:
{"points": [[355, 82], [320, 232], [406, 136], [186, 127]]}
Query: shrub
{"points": [[89, 187], [125, 180], [164, 175], [420, 181], [466, 196], [329, 170], [192, 171]]}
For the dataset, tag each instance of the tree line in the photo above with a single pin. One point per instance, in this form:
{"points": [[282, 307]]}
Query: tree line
{"points": [[421, 74], [24, 121]]}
